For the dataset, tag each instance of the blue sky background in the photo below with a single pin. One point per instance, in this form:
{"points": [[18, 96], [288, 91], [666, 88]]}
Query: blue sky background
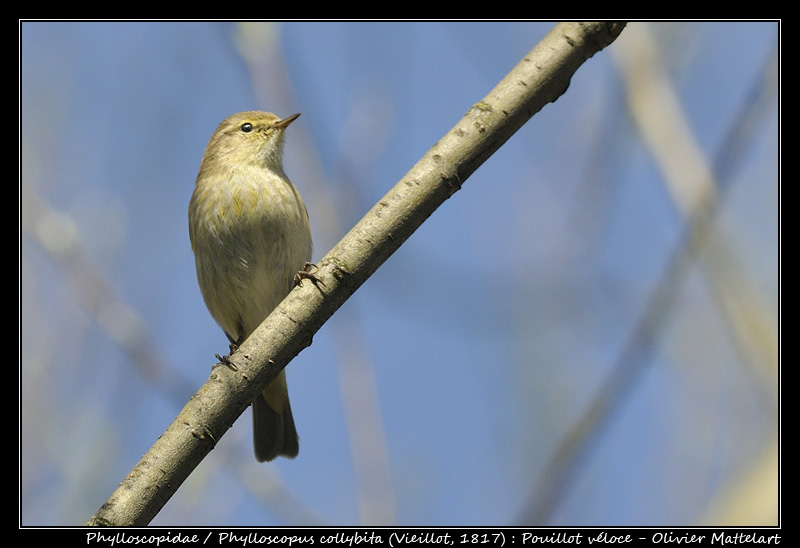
{"points": [[444, 391]]}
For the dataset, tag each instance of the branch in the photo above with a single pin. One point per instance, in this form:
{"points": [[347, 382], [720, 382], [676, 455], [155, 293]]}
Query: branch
{"points": [[540, 78]]}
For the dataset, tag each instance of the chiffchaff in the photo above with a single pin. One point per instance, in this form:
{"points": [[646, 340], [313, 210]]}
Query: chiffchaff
{"points": [[250, 236]]}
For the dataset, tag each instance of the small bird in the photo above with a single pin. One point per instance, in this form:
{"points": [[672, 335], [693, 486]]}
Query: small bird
{"points": [[250, 235]]}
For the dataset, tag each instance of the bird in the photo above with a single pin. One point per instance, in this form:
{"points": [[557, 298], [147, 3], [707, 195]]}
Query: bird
{"points": [[250, 235]]}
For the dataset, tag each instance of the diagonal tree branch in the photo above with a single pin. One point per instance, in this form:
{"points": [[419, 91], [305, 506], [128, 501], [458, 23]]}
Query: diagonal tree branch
{"points": [[540, 78]]}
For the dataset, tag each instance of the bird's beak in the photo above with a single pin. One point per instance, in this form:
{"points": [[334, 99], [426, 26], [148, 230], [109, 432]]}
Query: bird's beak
{"points": [[286, 121]]}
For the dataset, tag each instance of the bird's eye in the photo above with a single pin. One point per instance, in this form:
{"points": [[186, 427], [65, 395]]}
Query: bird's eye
{"points": [[247, 127]]}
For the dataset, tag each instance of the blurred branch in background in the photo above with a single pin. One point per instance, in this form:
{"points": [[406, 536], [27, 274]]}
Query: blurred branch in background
{"points": [[695, 184], [57, 234], [698, 187]]}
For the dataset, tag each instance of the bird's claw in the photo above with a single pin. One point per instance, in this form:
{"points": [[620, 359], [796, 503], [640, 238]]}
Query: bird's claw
{"points": [[306, 274]]}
